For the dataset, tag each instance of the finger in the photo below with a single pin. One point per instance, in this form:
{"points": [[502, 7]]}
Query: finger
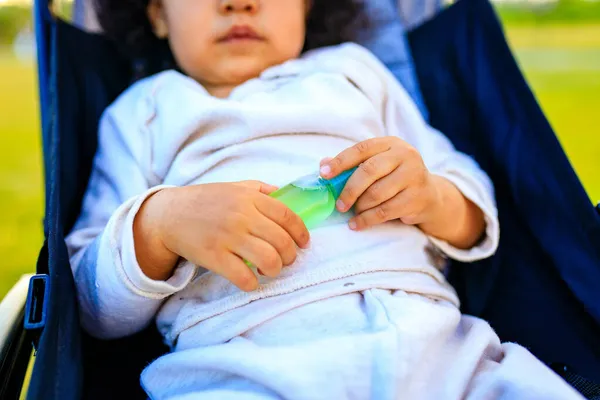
{"points": [[325, 161], [260, 254], [232, 268], [354, 155], [382, 190], [374, 216], [277, 237], [404, 204], [367, 174], [259, 186], [279, 213]]}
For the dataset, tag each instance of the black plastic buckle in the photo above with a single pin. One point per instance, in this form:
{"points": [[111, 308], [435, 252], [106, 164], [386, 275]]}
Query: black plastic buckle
{"points": [[36, 307]]}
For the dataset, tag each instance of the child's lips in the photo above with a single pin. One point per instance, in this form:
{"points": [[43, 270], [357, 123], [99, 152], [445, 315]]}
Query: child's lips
{"points": [[238, 39], [240, 33]]}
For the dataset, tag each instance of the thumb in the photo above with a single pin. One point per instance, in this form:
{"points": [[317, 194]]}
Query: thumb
{"points": [[259, 186]]}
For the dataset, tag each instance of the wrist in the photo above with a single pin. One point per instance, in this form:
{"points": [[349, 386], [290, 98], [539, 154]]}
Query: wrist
{"points": [[161, 207], [450, 216], [454, 218], [438, 198], [154, 257]]}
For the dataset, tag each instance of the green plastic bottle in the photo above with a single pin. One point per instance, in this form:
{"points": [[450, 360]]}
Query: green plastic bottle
{"points": [[313, 197]]}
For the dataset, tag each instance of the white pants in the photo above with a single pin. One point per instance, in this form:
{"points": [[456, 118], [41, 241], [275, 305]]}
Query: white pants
{"points": [[374, 344]]}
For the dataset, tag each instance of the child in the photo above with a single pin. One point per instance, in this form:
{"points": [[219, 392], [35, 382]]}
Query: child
{"points": [[266, 92]]}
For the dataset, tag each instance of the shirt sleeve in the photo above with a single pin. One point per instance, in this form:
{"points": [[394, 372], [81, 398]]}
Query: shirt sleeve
{"points": [[402, 118], [115, 297]]}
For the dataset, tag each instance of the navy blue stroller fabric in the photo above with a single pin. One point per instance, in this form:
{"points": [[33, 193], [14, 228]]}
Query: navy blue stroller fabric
{"points": [[538, 290], [542, 288]]}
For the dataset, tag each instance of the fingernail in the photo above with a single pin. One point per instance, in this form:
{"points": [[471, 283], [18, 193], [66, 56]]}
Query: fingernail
{"points": [[325, 170], [340, 205], [325, 160], [352, 225]]}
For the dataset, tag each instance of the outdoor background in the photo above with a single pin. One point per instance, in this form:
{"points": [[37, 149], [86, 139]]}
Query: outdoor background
{"points": [[557, 44]]}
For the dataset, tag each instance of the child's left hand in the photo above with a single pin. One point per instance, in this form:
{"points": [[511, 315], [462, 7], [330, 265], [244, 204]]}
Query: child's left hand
{"points": [[392, 182]]}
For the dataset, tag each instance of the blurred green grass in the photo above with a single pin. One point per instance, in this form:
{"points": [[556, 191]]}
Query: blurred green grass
{"points": [[561, 61], [561, 11], [21, 180], [562, 65]]}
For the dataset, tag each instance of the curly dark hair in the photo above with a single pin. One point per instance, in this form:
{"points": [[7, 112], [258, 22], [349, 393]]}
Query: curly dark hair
{"points": [[329, 22]]}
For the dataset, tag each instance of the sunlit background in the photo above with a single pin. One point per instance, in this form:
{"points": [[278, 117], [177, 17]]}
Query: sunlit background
{"points": [[556, 42]]}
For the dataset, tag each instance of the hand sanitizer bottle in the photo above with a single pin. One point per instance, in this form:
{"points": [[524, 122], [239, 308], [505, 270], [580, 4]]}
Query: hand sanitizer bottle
{"points": [[313, 197]]}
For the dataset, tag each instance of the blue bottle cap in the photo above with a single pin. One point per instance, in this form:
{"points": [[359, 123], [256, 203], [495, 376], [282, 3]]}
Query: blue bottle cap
{"points": [[338, 183]]}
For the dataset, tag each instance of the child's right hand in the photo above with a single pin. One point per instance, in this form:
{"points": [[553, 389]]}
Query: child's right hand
{"points": [[218, 226]]}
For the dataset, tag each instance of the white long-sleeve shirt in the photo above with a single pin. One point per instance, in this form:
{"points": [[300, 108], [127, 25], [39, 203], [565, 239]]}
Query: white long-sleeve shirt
{"points": [[167, 130]]}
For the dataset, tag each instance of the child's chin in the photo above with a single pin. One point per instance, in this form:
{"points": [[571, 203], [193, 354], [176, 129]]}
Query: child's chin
{"points": [[246, 70]]}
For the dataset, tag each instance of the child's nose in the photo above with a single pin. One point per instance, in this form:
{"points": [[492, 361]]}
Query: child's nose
{"points": [[231, 6]]}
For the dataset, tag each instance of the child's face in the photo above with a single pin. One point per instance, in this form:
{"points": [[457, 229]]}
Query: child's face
{"points": [[223, 43]]}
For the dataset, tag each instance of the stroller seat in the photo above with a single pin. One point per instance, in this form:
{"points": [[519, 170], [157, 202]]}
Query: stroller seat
{"points": [[539, 290]]}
